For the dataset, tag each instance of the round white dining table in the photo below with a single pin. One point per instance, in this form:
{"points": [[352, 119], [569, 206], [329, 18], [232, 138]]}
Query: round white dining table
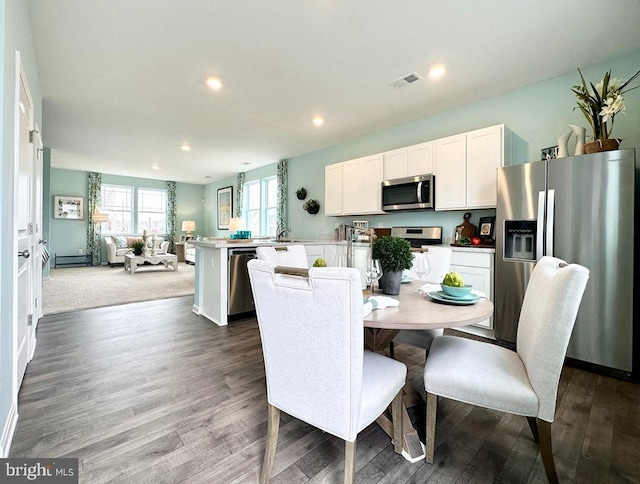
{"points": [[416, 311]]}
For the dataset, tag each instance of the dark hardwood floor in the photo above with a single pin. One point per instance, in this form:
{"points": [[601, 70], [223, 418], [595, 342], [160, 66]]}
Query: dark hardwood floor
{"points": [[151, 393]]}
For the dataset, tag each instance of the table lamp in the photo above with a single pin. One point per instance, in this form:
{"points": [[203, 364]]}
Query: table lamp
{"points": [[98, 217], [235, 224], [188, 226]]}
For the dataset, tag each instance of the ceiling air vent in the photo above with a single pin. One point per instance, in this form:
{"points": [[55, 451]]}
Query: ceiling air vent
{"points": [[406, 80]]}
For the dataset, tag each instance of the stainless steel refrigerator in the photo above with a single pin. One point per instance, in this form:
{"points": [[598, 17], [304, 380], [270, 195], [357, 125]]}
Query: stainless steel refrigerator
{"points": [[582, 209]]}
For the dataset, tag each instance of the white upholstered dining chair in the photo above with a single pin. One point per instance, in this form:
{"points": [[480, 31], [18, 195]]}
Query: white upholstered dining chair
{"points": [[440, 262], [317, 370], [284, 255], [522, 382]]}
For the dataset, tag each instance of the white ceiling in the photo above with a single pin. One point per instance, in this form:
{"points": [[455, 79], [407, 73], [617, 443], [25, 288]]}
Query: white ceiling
{"points": [[123, 81]]}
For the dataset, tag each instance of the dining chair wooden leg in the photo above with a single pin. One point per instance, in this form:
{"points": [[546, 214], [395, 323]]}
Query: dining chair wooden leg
{"points": [[544, 430], [391, 351], [273, 425], [396, 416], [349, 461], [430, 444], [533, 425]]}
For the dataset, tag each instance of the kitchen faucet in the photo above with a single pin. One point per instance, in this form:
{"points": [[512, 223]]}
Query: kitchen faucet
{"points": [[282, 233]]}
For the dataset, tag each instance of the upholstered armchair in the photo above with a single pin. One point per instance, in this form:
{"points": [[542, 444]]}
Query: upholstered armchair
{"points": [[284, 255]]}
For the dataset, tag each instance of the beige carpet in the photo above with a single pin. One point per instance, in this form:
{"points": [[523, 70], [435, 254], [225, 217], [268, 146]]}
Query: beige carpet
{"points": [[75, 288]]}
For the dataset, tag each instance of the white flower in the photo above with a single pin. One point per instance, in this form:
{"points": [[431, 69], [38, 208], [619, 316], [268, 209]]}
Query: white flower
{"points": [[612, 106]]}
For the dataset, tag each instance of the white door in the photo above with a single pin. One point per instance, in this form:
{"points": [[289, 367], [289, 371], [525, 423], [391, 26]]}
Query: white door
{"points": [[22, 224], [37, 242]]}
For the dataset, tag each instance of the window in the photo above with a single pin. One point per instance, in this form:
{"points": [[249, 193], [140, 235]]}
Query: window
{"points": [[152, 211], [117, 202], [132, 215], [261, 202]]}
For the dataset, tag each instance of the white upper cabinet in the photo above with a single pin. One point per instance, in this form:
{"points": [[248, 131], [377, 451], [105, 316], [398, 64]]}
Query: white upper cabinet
{"points": [[410, 161], [451, 172], [395, 164], [333, 189], [420, 159], [354, 187], [466, 168]]}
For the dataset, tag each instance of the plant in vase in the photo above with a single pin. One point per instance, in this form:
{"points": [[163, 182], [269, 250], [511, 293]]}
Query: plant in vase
{"points": [[395, 255], [137, 246], [600, 103]]}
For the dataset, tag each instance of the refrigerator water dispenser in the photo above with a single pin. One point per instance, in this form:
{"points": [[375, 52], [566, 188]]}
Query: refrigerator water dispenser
{"points": [[520, 240]]}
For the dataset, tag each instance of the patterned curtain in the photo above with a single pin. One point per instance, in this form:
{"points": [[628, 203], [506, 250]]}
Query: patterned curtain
{"points": [[283, 184], [239, 195], [171, 216], [94, 244]]}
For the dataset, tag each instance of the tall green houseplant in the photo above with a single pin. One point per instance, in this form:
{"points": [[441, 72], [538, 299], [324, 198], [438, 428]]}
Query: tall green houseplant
{"points": [[395, 255]]}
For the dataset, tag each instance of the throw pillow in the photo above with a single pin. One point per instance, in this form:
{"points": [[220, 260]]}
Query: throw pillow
{"points": [[131, 240], [121, 242]]}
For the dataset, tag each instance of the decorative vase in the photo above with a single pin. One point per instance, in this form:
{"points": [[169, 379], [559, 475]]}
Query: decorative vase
{"points": [[137, 251], [390, 282], [580, 133], [599, 145], [563, 150]]}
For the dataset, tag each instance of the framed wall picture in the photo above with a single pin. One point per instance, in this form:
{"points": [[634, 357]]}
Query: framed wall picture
{"points": [[485, 228], [225, 207], [71, 208]]}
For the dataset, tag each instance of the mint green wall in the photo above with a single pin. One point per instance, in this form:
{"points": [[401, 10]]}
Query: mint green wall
{"points": [[537, 115], [211, 197], [15, 35], [68, 237]]}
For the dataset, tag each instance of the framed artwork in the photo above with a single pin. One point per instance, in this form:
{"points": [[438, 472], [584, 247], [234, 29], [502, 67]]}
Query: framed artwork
{"points": [[225, 207], [183, 238], [548, 153], [485, 227], [71, 208]]}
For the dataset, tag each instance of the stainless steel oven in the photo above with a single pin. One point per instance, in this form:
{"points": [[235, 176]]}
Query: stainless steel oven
{"points": [[409, 193]]}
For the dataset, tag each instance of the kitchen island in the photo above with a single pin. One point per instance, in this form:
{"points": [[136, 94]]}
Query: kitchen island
{"points": [[212, 278]]}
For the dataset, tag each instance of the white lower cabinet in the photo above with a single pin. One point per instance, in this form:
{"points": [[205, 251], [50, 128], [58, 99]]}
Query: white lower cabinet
{"points": [[477, 269]]}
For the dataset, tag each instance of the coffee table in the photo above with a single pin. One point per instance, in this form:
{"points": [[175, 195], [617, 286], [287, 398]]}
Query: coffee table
{"points": [[131, 261]]}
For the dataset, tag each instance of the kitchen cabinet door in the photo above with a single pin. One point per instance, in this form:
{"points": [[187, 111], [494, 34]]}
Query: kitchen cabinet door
{"points": [[395, 164], [451, 173], [477, 269], [484, 157], [372, 178], [333, 189], [352, 186], [420, 159]]}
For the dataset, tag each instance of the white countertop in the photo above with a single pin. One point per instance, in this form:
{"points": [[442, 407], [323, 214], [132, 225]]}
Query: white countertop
{"points": [[470, 248], [224, 243]]}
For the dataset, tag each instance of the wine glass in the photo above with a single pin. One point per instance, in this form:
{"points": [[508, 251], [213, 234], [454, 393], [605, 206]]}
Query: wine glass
{"points": [[421, 267], [339, 260], [373, 272]]}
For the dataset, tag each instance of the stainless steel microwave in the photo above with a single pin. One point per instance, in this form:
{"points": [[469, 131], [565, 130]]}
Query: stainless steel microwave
{"points": [[409, 193]]}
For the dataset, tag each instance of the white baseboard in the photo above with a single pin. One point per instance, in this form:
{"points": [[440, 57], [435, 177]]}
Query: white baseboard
{"points": [[9, 430]]}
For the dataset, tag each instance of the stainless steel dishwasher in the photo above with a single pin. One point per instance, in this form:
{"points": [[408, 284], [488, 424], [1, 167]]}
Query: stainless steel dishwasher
{"points": [[240, 297]]}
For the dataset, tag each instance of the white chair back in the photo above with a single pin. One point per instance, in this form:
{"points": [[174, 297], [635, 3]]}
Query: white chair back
{"points": [[547, 318], [284, 255], [316, 323], [440, 262]]}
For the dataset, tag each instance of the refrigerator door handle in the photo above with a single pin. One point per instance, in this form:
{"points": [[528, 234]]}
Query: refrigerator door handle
{"points": [[540, 226], [551, 207]]}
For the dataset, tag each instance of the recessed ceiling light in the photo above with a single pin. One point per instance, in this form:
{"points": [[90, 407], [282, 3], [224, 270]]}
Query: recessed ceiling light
{"points": [[207, 176], [185, 147], [437, 71], [155, 166], [214, 83], [246, 162], [318, 120]]}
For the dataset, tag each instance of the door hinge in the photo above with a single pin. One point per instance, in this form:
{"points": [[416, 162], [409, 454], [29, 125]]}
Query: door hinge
{"points": [[30, 228], [30, 320], [32, 135]]}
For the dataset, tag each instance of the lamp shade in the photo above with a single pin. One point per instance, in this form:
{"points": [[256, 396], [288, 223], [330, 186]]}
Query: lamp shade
{"points": [[236, 224], [188, 225], [98, 217]]}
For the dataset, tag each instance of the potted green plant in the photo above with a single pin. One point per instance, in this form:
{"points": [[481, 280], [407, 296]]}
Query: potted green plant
{"points": [[395, 255], [137, 246]]}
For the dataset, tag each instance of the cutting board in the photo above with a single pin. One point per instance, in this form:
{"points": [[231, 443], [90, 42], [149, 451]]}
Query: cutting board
{"points": [[466, 228]]}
